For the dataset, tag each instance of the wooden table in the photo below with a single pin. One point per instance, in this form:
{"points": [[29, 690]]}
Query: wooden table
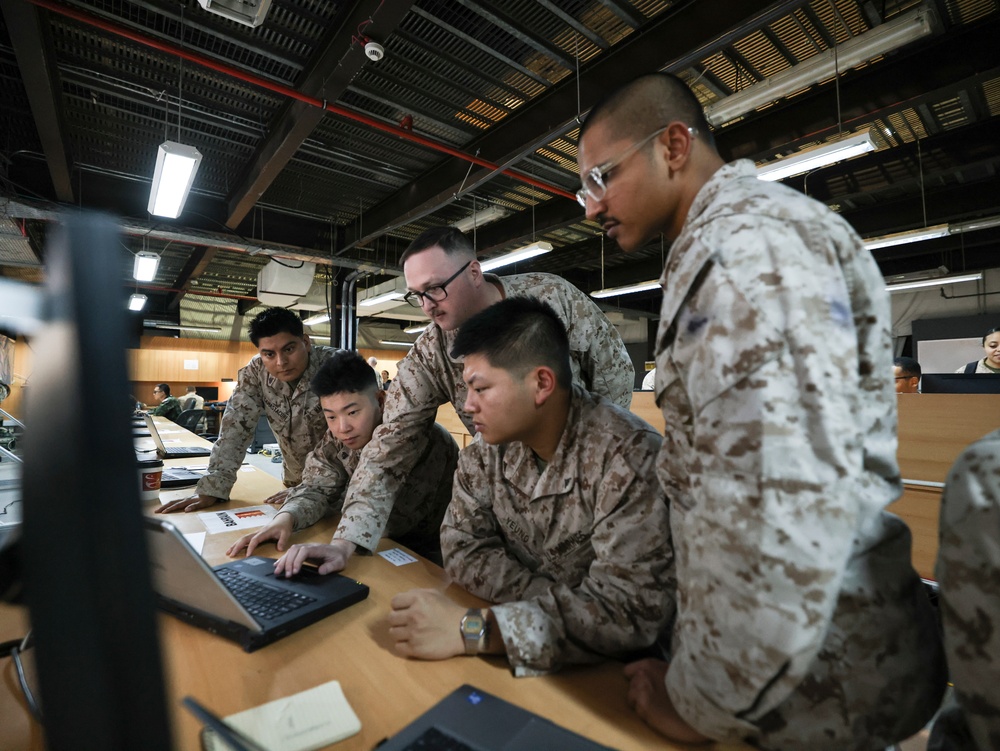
{"points": [[353, 647]]}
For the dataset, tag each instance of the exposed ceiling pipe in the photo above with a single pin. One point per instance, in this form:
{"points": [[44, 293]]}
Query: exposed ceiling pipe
{"points": [[348, 320], [287, 91]]}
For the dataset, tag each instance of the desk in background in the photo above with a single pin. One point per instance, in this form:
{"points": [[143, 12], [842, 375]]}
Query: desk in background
{"points": [[353, 647]]}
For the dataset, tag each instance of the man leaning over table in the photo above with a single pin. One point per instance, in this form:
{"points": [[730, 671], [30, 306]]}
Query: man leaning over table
{"points": [[446, 281], [352, 405], [556, 515], [275, 382], [801, 623]]}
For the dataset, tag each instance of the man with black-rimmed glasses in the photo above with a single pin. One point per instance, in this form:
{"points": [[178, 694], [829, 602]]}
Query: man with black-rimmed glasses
{"points": [[446, 281]]}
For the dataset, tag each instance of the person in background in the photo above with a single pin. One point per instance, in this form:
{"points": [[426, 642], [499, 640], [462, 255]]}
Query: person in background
{"points": [[385, 380], [990, 364], [446, 281], [275, 383], [373, 364], [906, 372], [352, 405], [556, 517], [197, 401], [166, 405], [801, 623]]}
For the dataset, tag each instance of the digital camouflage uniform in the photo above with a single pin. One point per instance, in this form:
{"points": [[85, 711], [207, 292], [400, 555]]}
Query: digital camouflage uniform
{"points": [[294, 414], [981, 368], [428, 377], [578, 554], [416, 516], [801, 623], [169, 408], [968, 572]]}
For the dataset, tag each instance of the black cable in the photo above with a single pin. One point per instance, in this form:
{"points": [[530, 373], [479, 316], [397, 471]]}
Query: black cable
{"points": [[22, 679]]}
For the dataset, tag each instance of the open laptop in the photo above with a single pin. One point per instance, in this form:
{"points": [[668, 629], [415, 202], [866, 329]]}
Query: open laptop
{"points": [[211, 598], [469, 718], [173, 452]]}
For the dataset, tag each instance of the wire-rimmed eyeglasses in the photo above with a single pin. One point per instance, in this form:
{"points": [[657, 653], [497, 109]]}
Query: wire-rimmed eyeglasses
{"points": [[437, 293], [595, 180]]}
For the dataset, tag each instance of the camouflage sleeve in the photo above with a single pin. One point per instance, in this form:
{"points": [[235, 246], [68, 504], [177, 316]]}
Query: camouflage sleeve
{"points": [[967, 570], [396, 445], [239, 422], [321, 492], [788, 454], [475, 555], [626, 597]]}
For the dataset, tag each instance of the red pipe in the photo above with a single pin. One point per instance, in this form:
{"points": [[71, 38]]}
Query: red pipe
{"points": [[278, 88]]}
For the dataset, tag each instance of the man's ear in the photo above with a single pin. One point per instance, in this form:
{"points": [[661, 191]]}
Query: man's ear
{"points": [[678, 142], [543, 380], [380, 397], [477, 274], [308, 341]]}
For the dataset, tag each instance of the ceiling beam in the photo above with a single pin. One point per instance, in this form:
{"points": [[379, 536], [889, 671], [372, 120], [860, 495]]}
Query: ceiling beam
{"points": [[675, 38], [196, 263], [328, 78], [40, 76]]}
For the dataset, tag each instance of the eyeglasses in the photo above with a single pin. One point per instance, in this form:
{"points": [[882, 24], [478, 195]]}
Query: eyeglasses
{"points": [[437, 293], [595, 181]]}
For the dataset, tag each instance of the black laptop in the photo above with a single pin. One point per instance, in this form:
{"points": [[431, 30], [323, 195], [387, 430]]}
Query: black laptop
{"points": [[469, 719], [173, 452], [241, 600]]}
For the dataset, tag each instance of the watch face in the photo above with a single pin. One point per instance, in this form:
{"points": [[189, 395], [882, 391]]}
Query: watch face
{"points": [[473, 625]]}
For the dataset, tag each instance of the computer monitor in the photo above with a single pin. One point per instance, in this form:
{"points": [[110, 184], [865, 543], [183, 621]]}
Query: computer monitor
{"points": [[209, 393], [86, 572], [959, 383]]}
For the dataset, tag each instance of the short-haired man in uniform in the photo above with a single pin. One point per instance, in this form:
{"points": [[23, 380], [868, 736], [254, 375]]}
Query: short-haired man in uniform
{"points": [[167, 406], [446, 281], [556, 516], [801, 623], [275, 382], [352, 404], [906, 374]]}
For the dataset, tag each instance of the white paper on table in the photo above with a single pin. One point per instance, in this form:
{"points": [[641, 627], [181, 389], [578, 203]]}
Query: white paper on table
{"points": [[229, 520], [397, 557], [196, 540]]}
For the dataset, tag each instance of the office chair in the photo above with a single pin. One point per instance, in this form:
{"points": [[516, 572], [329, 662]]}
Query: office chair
{"points": [[190, 419], [188, 403]]}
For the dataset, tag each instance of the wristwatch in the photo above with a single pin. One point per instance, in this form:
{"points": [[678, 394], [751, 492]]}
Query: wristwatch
{"points": [[474, 631]]}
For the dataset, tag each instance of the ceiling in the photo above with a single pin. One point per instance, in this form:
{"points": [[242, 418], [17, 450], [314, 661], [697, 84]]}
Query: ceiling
{"points": [[311, 151]]}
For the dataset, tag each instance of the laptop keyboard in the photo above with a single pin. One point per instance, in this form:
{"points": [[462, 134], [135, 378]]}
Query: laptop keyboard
{"points": [[261, 600], [433, 739]]}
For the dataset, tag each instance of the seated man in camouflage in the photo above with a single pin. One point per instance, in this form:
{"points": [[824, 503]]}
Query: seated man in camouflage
{"points": [[275, 383], [556, 514], [167, 406], [352, 405]]}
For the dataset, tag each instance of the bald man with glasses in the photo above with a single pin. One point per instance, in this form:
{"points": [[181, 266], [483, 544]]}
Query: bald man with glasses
{"points": [[445, 280], [801, 623]]}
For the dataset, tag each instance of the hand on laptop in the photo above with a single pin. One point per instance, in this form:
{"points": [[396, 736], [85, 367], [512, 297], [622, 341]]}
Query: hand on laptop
{"points": [[334, 557], [191, 503], [278, 499], [425, 625], [280, 529]]}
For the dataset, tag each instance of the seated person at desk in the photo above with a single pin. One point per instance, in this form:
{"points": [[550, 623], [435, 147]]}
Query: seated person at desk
{"points": [[352, 404], [196, 399], [275, 382], [906, 372], [801, 623], [446, 281], [990, 364], [556, 514], [167, 406]]}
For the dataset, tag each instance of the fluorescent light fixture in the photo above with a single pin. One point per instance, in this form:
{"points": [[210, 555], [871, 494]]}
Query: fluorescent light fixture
{"points": [[136, 302], [415, 329], [317, 319], [816, 157], [938, 282], [178, 327], [378, 299], [145, 265], [910, 236], [485, 216], [876, 42], [628, 289], [176, 166], [521, 254], [392, 343]]}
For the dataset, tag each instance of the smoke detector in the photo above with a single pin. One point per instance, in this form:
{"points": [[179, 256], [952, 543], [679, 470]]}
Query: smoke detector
{"points": [[374, 51]]}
